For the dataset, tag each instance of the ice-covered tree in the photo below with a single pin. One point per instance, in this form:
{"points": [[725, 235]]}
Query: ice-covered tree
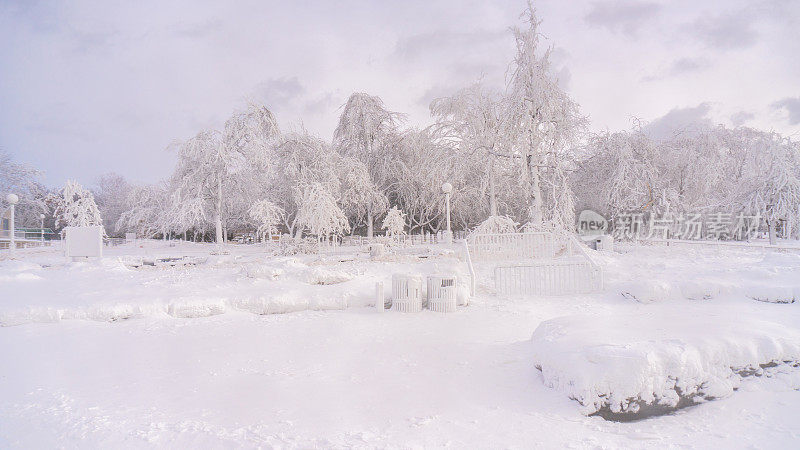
{"points": [[301, 159], [363, 126], [319, 213], [150, 212], [618, 173], [208, 170], [252, 133], [111, 196], [771, 185], [395, 222], [416, 180], [23, 181], [75, 207], [268, 216], [359, 194], [544, 122], [472, 119]]}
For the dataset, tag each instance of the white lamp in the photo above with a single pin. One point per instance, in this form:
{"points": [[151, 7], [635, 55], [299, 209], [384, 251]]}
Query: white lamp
{"points": [[447, 188], [13, 200]]}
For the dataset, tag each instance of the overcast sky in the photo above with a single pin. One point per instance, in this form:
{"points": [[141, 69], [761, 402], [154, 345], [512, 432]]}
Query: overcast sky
{"points": [[93, 87]]}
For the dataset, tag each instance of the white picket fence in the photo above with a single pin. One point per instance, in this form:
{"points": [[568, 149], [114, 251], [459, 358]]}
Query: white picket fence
{"points": [[548, 264]]}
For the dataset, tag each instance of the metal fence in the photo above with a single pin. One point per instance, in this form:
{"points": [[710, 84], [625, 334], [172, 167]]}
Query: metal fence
{"points": [[513, 245], [549, 277], [5, 244]]}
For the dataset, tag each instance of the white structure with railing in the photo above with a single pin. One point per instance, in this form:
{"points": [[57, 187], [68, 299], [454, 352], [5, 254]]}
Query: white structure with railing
{"points": [[513, 246], [543, 263], [442, 293], [406, 293]]}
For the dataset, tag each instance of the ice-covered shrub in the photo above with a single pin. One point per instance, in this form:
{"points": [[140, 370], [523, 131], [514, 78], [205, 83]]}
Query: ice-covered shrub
{"points": [[395, 222], [496, 225], [298, 246]]}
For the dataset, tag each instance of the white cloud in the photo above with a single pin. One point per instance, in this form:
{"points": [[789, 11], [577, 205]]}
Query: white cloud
{"points": [[92, 87]]}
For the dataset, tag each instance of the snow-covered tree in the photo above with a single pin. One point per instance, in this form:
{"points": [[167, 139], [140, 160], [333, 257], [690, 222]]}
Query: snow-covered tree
{"points": [[544, 123], [150, 212], [359, 195], [496, 225], [252, 133], [395, 222], [22, 180], [771, 185], [415, 187], [618, 173], [207, 171], [75, 207], [319, 213], [268, 216], [301, 159], [363, 127], [111, 196], [472, 119]]}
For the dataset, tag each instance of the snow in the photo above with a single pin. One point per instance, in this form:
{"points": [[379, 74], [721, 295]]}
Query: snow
{"points": [[51, 288], [101, 354], [622, 361]]}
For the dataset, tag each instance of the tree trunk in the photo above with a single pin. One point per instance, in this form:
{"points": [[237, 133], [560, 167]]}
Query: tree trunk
{"points": [[492, 190], [771, 227], [369, 223], [535, 215], [219, 213]]}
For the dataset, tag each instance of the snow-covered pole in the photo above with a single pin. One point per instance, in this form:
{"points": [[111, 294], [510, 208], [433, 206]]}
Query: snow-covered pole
{"points": [[41, 228], [380, 303], [447, 188], [12, 199]]}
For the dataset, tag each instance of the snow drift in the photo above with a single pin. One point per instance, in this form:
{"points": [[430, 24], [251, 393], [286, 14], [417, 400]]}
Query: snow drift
{"points": [[634, 365]]}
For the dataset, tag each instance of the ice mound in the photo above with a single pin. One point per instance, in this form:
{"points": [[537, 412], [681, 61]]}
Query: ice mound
{"points": [[263, 271], [193, 308], [632, 365], [773, 294], [649, 291], [318, 275], [287, 304]]}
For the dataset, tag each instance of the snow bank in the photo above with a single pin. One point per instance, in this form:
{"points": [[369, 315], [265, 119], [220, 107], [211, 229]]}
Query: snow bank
{"points": [[705, 288], [631, 365]]}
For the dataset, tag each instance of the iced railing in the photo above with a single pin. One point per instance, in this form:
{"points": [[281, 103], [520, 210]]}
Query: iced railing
{"points": [[548, 264], [512, 245]]}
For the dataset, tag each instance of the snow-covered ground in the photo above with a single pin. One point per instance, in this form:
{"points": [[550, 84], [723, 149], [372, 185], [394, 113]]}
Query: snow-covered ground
{"points": [[102, 354]]}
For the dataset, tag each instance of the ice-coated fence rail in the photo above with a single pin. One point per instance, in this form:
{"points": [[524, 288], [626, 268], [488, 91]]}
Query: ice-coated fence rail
{"points": [[548, 278], [513, 245]]}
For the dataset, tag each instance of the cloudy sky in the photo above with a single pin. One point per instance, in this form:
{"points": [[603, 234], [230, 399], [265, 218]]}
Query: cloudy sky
{"points": [[88, 88]]}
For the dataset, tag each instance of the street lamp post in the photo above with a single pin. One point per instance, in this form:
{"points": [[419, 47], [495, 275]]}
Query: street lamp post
{"points": [[41, 229], [12, 199], [447, 188]]}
